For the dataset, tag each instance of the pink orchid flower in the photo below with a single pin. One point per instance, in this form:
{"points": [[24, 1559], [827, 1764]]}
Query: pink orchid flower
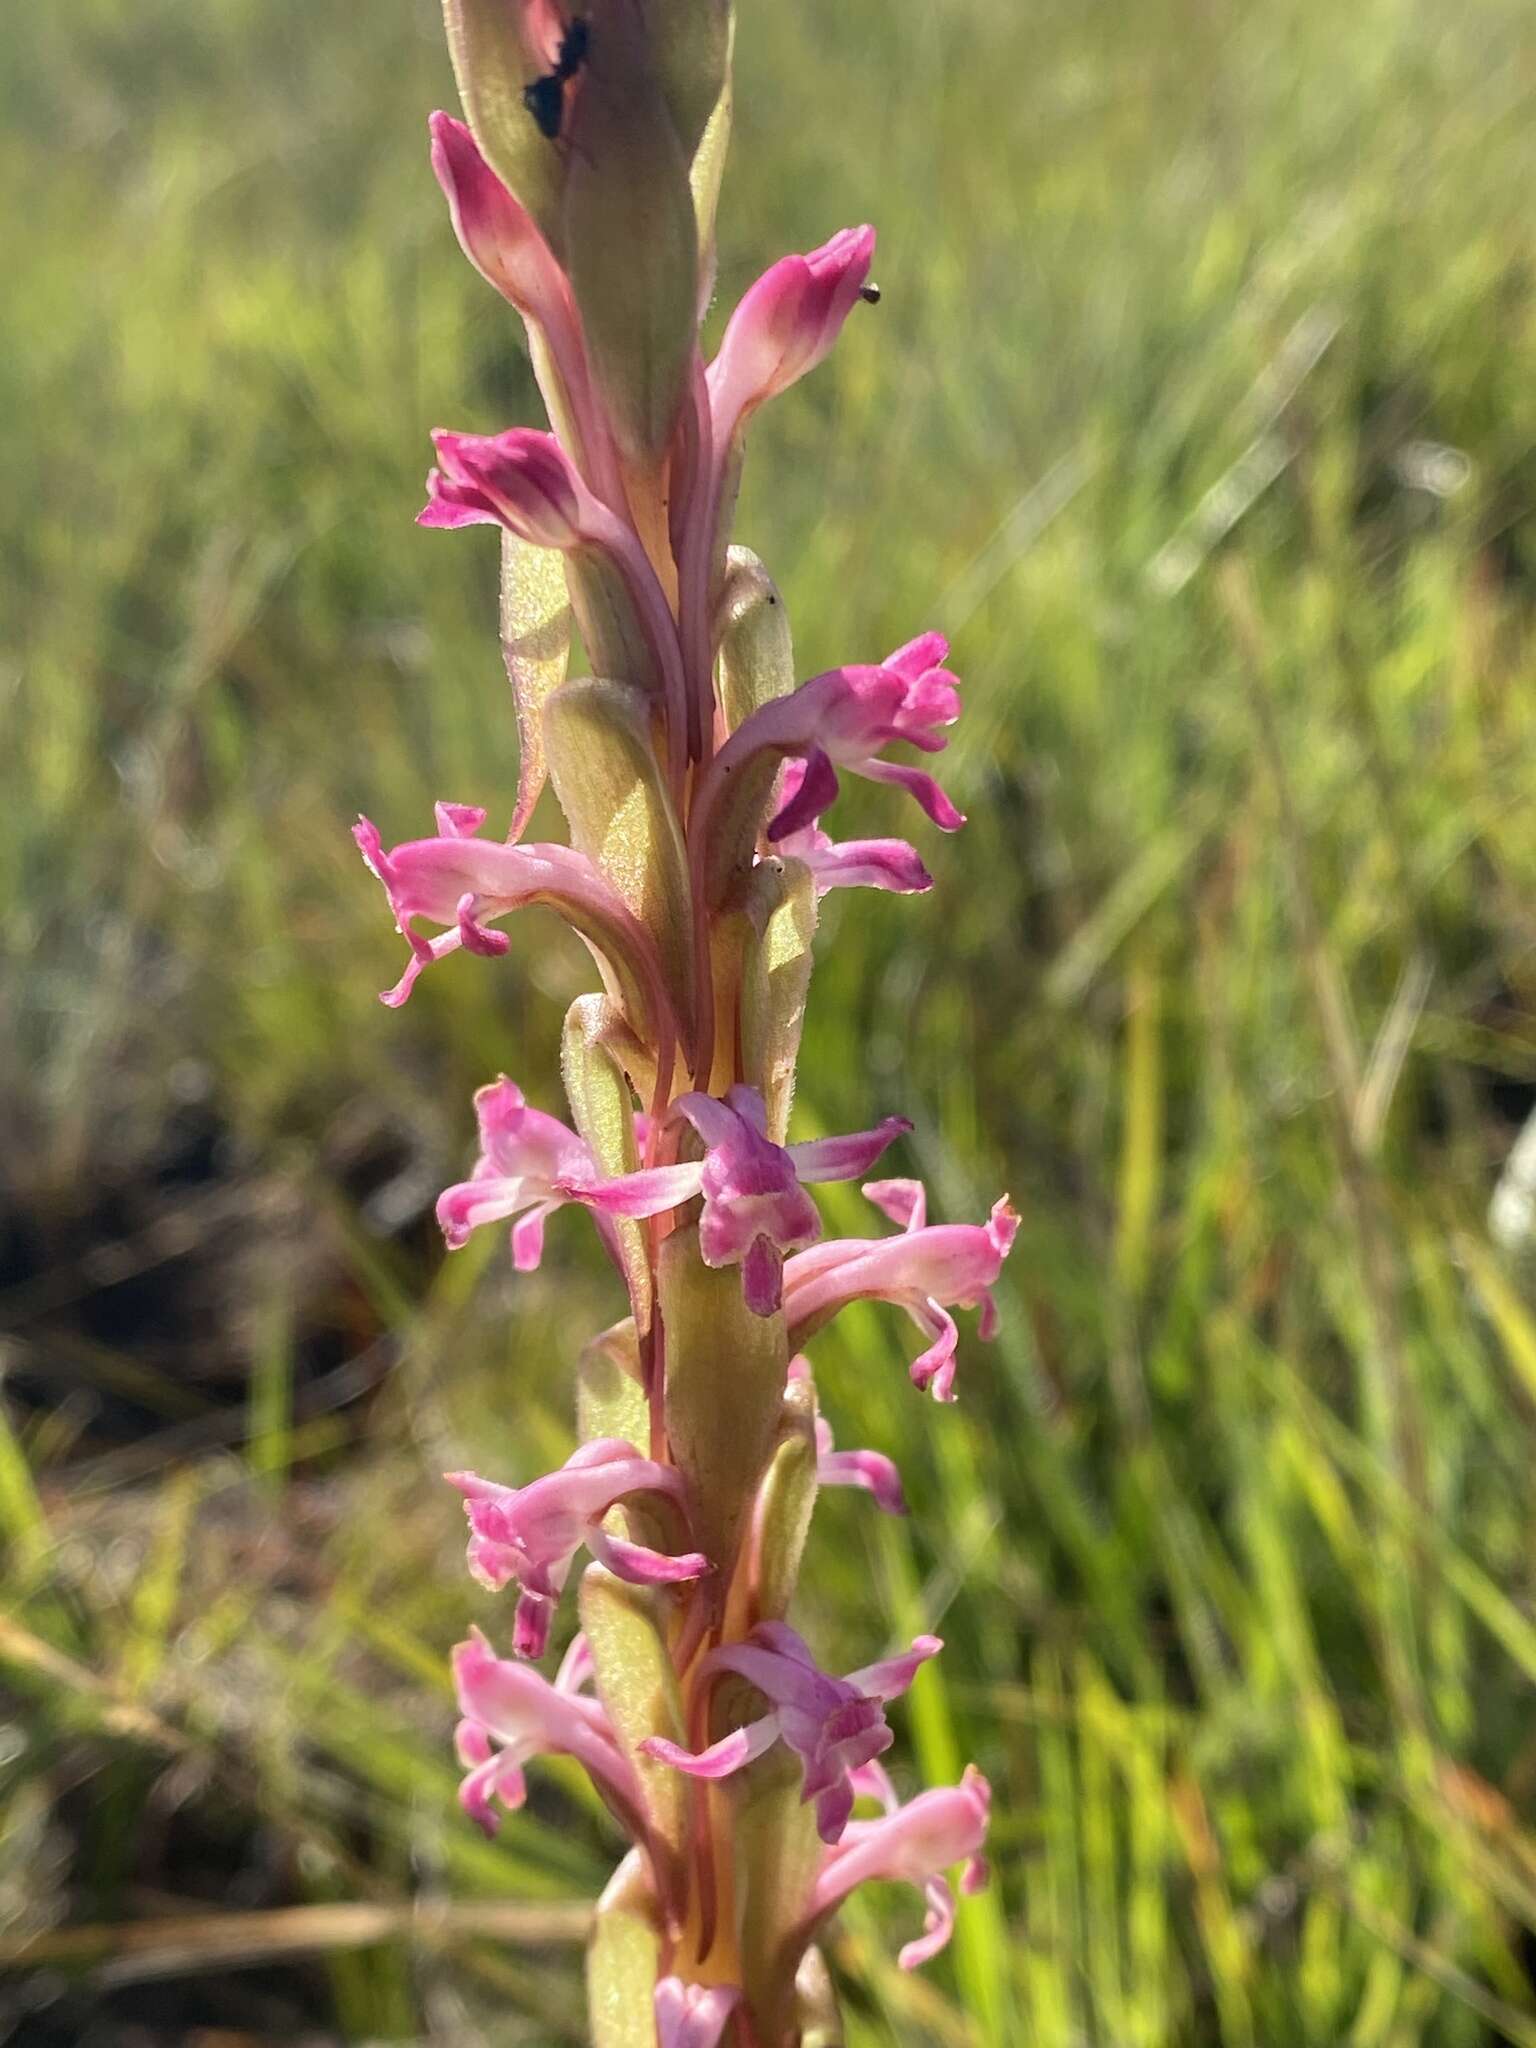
{"points": [[512, 1713], [528, 1162], [785, 325], [889, 864], [755, 1206], [463, 882], [914, 1844], [532, 1533], [692, 2015], [845, 719], [523, 480], [927, 1270], [834, 1725]]}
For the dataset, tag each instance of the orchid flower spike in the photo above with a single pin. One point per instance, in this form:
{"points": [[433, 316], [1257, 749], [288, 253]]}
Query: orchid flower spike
{"points": [[927, 1270], [512, 1713], [532, 1533], [914, 1844], [834, 1725], [755, 1206]]}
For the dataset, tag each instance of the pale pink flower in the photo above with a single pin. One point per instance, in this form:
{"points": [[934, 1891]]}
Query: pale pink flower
{"points": [[495, 231], [755, 1207], [528, 1162], [834, 1725], [522, 480], [512, 1713], [464, 882], [927, 1270], [692, 2015], [531, 1534], [914, 1844], [871, 1470]]}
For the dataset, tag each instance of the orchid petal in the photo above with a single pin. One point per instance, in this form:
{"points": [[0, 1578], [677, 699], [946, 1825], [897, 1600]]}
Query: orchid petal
{"points": [[846, 1158], [692, 2015], [722, 1758]]}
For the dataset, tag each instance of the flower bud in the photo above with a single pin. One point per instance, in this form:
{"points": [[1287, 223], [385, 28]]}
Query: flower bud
{"points": [[785, 324], [495, 232]]}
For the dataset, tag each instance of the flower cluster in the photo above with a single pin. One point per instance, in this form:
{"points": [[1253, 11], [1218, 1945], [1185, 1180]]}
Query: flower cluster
{"points": [[695, 771]]}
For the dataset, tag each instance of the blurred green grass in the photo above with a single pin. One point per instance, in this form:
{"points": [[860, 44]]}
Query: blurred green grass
{"points": [[1200, 410]]}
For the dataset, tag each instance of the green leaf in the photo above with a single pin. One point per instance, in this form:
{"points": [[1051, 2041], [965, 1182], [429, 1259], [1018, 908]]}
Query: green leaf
{"points": [[624, 1960], [610, 1401], [601, 1062], [611, 632], [778, 1853], [610, 785], [691, 43], [757, 654], [492, 66], [704, 179], [638, 1687], [782, 904], [726, 1371], [536, 647], [631, 239], [786, 1502]]}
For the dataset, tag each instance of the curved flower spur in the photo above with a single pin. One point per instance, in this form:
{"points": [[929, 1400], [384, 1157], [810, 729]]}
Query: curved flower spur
{"points": [[694, 770]]}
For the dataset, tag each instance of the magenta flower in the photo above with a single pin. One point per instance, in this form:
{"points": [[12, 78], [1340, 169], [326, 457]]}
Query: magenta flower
{"points": [[512, 1713], [463, 882], [532, 1533], [927, 1270], [914, 1844], [522, 480], [785, 324], [528, 1162], [834, 1725], [755, 1208], [850, 863], [845, 719], [692, 2015]]}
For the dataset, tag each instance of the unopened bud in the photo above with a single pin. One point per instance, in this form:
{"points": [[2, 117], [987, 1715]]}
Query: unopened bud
{"points": [[787, 322], [496, 233]]}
